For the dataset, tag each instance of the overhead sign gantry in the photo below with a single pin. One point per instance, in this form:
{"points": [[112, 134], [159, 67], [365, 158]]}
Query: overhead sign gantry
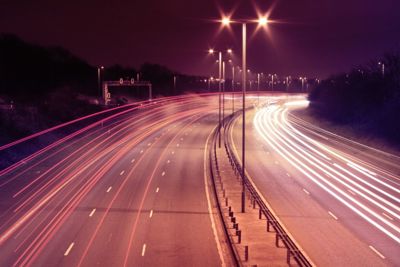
{"points": [[120, 83]]}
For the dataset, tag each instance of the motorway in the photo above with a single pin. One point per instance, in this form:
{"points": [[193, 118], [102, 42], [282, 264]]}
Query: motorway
{"points": [[129, 192], [132, 190], [338, 199]]}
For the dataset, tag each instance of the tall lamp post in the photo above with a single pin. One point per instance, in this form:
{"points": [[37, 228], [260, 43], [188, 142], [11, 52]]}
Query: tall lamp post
{"points": [[223, 95], [303, 79], [99, 69], [262, 21], [258, 88], [273, 81], [383, 68], [211, 51], [233, 89], [287, 83]]}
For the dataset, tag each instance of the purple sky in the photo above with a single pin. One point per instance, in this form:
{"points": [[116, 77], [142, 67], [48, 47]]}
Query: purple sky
{"points": [[313, 38]]}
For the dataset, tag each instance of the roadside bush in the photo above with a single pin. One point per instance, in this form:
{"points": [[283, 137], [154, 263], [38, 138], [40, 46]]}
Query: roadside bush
{"points": [[365, 98]]}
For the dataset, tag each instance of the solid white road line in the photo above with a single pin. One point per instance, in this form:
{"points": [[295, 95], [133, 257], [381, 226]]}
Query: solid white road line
{"points": [[93, 211], [69, 249]]}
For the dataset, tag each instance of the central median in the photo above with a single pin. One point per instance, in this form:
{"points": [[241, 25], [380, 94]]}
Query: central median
{"points": [[256, 236]]}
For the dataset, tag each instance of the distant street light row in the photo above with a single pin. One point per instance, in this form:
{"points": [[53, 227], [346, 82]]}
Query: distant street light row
{"points": [[263, 81]]}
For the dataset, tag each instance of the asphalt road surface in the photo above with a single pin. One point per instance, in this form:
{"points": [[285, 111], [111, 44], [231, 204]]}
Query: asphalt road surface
{"points": [[337, 198], [129, 192]]}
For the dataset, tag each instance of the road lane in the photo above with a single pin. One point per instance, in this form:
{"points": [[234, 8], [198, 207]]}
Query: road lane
{"points": [[82, 211], [332, 210]]}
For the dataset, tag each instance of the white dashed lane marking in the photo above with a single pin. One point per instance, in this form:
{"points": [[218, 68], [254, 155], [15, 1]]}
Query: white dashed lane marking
{"points": [[143, 249], [93, 211], [377, 252], [351, 192], [387, 216], [69, 249], [333, 215]]}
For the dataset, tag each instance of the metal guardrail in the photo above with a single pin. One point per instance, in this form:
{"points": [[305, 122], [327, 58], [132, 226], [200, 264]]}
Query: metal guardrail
{"points": [[292, 250], [213, 164]]}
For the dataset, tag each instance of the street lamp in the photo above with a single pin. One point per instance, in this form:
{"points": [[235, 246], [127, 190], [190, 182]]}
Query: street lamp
{"points": [[226, 21], [174, 83], [273, 81], [262, 21], [99, 69], [287, 83], [383, 68], [223, 95], [220, 63], [258, 88], [249, 78], [303, 79], [233, 86]]}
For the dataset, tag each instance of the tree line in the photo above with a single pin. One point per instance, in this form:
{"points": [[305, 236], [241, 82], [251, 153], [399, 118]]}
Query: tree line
{"points": [[45, 86], [367, 98]]}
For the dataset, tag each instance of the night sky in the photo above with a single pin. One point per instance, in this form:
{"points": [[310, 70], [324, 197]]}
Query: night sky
{"points": [[308, 37]]}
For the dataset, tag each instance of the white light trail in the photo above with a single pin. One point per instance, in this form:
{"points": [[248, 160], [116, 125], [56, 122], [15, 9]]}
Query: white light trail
{"points": [[303, 153]]}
